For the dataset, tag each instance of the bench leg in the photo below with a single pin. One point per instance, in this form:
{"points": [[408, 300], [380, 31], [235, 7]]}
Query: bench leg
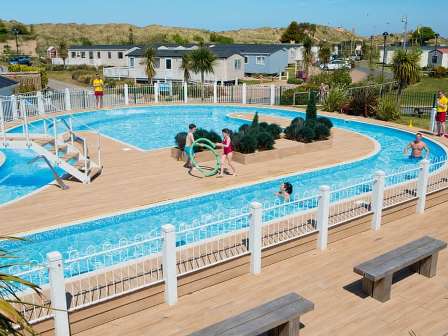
{"points": [[292, 328], [382, 289], [367, 286], [428, 266]]}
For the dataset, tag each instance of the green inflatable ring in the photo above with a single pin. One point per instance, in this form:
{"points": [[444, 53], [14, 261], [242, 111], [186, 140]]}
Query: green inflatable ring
{"points": [[205, 143]]}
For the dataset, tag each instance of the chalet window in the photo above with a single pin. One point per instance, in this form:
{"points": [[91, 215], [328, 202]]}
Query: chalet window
{"points": [[83, 54], [131, 62], [237, 64], [73, 54], [120, 55], [260, 60], [168, 64], [98, 54], [246, 59], [434, 59], [90, 54], [109, 55], [156, 63]]}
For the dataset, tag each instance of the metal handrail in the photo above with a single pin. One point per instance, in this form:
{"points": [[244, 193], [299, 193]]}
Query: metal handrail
{"points": [[58, 179]]}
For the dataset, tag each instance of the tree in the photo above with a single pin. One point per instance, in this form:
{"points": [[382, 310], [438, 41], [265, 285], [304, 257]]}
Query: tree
{"points": [[198, 39], [255, 121], [186, 66], [324, 53], [131, 36], [422, 35], [307, 55], [179, 39], [220, 39], [63, 51], [202, 61], [311, 111], [10, 316], [292, 33], [406, 67], [149, 61]]}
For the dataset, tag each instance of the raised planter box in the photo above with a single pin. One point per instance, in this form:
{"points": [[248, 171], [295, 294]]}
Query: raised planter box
{"points": [[283, 148]]}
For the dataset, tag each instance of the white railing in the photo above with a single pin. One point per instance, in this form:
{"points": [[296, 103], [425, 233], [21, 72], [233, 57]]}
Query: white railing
{"points": [[117, 72]]}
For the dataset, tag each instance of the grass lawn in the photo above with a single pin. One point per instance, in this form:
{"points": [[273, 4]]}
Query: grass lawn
{"points": [[429, 84], [64, 76], [417, 123]]}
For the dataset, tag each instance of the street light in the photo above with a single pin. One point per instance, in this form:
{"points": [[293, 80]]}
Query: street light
{"points": [[16, 32], [385, 35], [404, 19], [371, 50], [436, 35]]}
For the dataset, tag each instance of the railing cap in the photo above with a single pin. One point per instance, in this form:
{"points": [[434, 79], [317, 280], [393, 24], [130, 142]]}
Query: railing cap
{"points": [[54, 256], [168, 228]]}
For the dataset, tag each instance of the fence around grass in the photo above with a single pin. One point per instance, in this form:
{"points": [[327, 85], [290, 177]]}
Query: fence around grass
{"points": [[164, 257]]}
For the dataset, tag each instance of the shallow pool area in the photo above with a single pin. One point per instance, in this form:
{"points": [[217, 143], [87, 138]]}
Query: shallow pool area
{"points": [[154, 127]]}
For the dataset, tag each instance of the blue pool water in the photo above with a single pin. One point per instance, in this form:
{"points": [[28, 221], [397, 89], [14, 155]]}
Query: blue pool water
{"points": [[155, 127]]}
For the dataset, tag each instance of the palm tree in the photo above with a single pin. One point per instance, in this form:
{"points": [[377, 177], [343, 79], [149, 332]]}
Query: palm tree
{"points": [[202, 61], [186, 66], [307, 54], [324, 53], [63, 51], [406, 67], [149, 61], [10, 316]]}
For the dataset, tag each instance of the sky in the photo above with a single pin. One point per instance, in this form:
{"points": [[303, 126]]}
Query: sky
{"points": [[366, 17]]}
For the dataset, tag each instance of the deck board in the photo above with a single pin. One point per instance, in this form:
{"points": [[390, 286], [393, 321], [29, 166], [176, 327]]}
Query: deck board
{"points": [[418, 304]]}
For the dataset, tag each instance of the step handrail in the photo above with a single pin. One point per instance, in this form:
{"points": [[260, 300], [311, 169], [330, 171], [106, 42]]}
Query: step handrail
{"points": [[58, 179]]}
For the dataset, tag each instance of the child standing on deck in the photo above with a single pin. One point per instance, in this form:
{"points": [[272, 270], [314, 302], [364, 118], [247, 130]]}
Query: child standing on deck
{"points": [[227, 152], [188, 149]]}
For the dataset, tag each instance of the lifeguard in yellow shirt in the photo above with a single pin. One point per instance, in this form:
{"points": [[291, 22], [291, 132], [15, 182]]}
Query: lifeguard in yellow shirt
{"points": [[442, 107], [98, 87]]}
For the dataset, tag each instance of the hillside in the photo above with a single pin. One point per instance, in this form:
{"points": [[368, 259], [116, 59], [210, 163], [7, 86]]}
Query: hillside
{"points": [[47, 34]]}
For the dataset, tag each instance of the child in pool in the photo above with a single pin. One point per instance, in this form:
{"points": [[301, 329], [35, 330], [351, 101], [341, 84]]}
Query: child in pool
{"points": [[188, 145], [285, 191]]}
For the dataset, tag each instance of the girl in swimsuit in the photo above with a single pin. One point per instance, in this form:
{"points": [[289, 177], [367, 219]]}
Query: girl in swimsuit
{"points": [[227, 152]]}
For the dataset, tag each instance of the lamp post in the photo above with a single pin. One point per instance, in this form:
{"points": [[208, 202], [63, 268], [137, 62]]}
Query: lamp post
{"points": [[16, 32], [371, 50], [404, 19], [385, 34], [436, 35]]}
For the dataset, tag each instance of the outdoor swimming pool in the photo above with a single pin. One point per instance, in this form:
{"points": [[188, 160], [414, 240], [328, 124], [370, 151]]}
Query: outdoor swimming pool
{"points": [[155, 127]]}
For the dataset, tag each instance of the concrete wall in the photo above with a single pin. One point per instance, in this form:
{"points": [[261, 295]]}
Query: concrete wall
{"points": [[224, 70], [274, 63]]}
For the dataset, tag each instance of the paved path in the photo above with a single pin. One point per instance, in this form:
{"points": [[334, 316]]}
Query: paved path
{"points": [[60, 85]]}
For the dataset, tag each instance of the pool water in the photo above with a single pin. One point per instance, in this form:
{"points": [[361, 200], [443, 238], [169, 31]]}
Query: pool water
{"points": [[155, 127]]}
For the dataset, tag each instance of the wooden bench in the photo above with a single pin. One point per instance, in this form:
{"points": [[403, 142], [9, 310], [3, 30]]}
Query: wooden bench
{"points": [[421, 255], [280, 317]]}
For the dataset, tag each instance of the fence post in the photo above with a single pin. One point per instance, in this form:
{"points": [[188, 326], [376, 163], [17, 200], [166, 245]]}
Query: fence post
{"points": [[272, 95], [422, 185], [2, 123], [68, 103], [126, 94], [377, 199], [40, 103], [244, 100], [236, 81], [323, 211], [256, 218], [14, 107], [215, 93], [57, 294], [156, 92], [432, 121], [185, 92], [169, 263]]}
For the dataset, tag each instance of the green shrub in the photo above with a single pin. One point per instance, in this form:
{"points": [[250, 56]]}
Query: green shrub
{"points": [[275, 130], [311, 111], [326, 121], [210, 135], [263, 125], [305, 134], [26, 68], [292, 131], [321, 132], [296, 81], [334, 78], [287, 96], [310, 123], [244, 128], [440, 71], [255, 120], [247, 144], [336, 98], [387, 109], [180, 140], [265, 141], [214, 137], [364, 102], [298, 121]]}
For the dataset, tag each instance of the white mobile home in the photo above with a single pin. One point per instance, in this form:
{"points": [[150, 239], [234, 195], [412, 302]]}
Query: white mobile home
{"points": [[438, 57], [99, 55]]}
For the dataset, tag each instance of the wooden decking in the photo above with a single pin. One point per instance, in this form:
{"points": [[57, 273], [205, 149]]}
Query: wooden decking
{"points": [[419, 306], [133, 178]]}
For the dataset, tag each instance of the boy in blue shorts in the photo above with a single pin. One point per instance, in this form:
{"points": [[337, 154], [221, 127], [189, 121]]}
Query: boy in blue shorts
{"points": [[188, 145]]}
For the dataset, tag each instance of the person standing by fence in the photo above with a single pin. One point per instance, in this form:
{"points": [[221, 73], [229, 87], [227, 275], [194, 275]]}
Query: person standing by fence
{"points": [[98, 87], [442, 105]]}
